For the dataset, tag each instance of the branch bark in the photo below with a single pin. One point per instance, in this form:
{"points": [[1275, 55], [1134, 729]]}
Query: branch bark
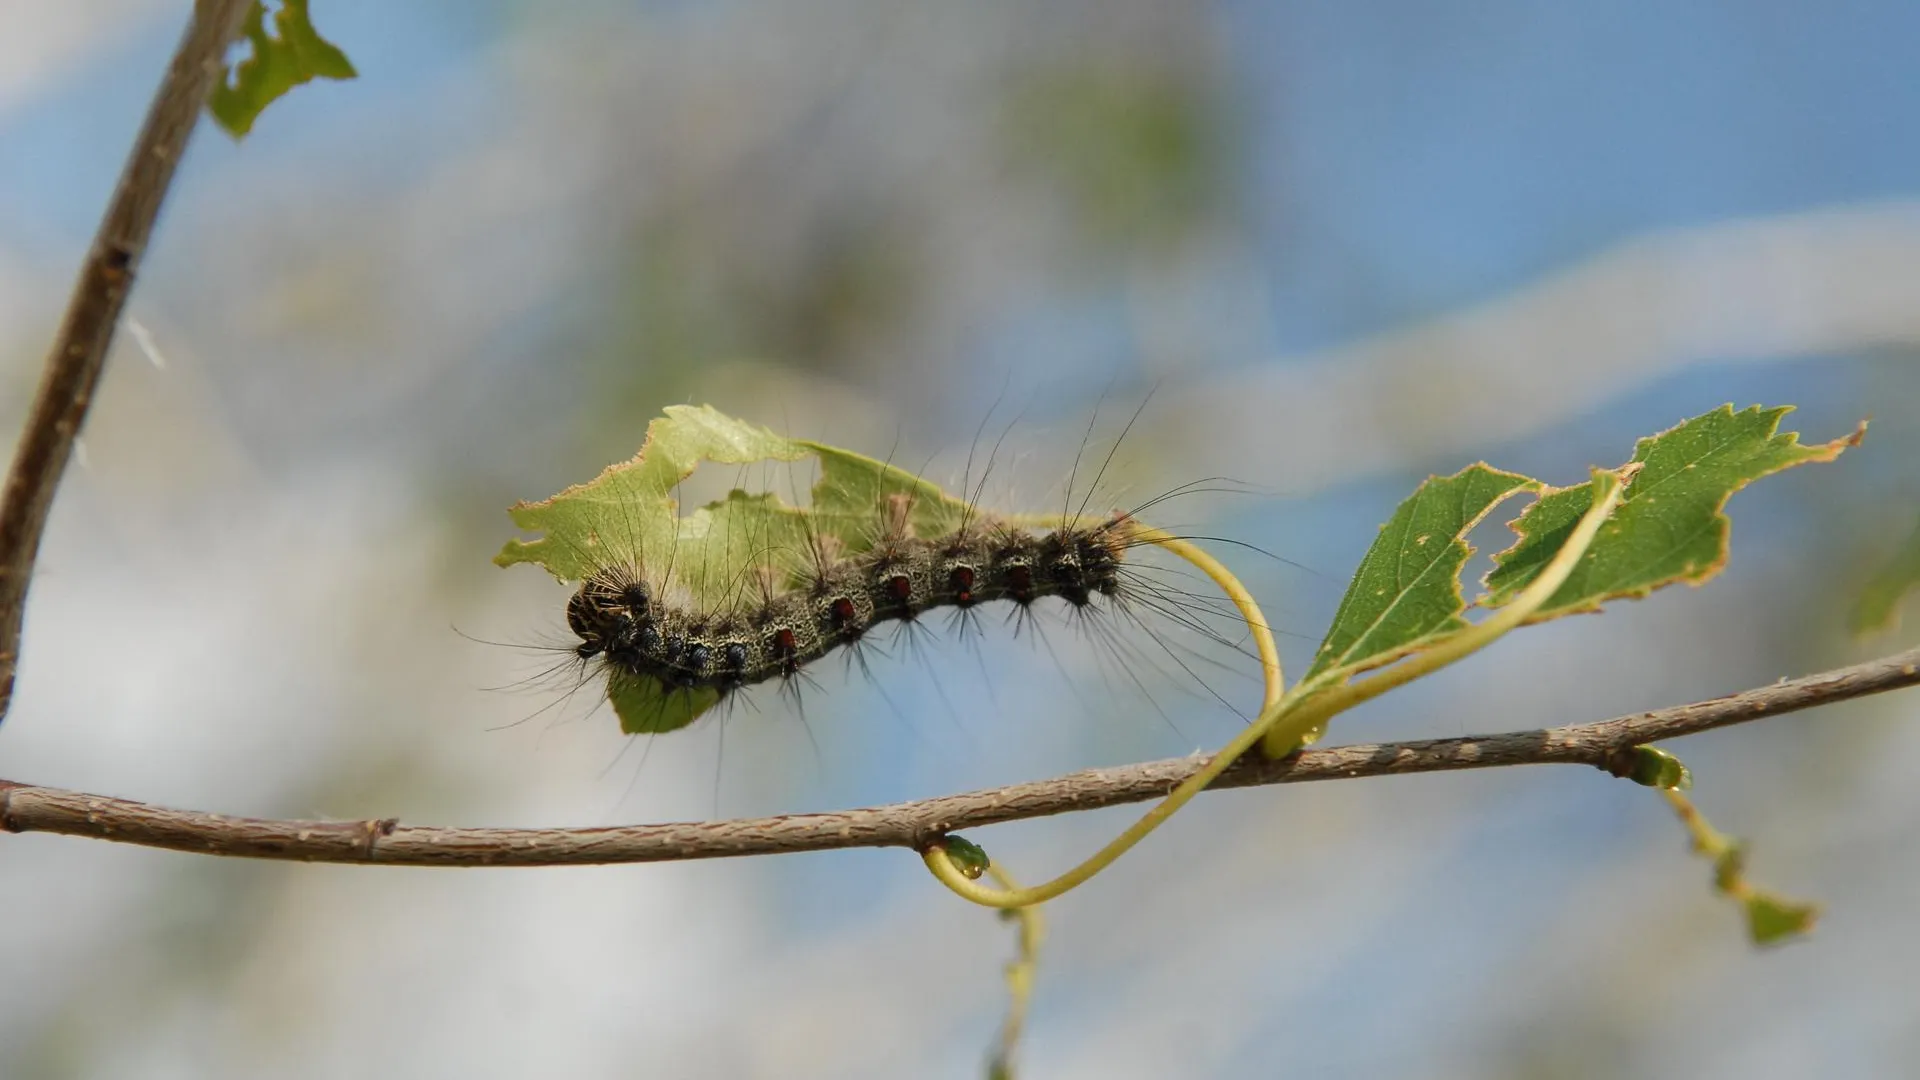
{"points": [[1606, 745], [106, 277]]}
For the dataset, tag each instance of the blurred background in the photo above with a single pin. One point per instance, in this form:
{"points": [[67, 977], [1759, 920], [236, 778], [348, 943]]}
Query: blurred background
{"points": [[1349, 245]]}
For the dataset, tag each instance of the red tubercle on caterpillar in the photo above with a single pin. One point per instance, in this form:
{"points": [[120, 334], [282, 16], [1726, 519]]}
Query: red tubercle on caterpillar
{"points": [[785, 647], [1020, 584], [960, 581], [899, 588], [845, 617]]}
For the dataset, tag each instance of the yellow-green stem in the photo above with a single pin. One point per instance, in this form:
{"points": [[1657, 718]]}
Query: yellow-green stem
{"points": [[1020, 974], [1275, 691]]}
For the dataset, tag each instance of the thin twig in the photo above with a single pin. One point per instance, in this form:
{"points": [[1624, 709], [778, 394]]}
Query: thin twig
{"points": [[80, 348], [1606, 745], [1020, 973]]}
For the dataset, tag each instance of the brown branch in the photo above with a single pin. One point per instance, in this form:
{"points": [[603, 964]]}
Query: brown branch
{"points": [[1606, 745], [80, 348]]}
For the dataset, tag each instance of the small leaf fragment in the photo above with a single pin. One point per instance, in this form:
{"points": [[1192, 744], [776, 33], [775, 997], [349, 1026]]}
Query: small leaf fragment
{"points": [[1669, 526], [1407, 590], [1655, 768], [649, 707], [1774, 919], [968, 857], [1878, 608], [277, 64]]}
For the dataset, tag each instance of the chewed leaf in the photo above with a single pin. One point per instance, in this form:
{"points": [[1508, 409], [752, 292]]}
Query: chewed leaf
{"points": [[852, 485], [1878, 607], [279, 63], [1407, 590], [1669, 527], [629, 514]]}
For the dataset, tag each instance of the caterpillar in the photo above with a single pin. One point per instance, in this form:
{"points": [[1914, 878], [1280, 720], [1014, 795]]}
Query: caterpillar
{"points": [[680, 613], [617, 614]]}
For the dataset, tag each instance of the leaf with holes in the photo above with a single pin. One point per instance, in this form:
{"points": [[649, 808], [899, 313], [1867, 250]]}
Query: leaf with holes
{"points": [[294, 54], [1406, 593], [1670, 526]]}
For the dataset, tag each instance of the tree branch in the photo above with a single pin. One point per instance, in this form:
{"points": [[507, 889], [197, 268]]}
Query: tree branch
{"points": [[1607, 745], [106, 277]]}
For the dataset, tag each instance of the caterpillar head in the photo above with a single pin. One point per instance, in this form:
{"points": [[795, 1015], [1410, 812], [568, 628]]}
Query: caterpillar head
{"points": [[607, 609]]}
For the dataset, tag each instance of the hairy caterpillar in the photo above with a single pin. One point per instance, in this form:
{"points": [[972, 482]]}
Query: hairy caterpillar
{"points": [[616, 614], [678, 613]]}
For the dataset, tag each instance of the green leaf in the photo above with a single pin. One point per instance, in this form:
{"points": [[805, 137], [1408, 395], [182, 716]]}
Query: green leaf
{"points": [[277, 64], [1878, 608], [1666, 527], [1669, 527], [629, 515], [1406, 593], [1774, 919]]}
